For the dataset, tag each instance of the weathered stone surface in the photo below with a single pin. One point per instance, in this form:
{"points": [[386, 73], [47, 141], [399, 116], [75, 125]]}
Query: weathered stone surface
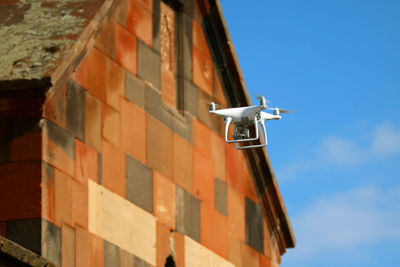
{"points": [[139, 184], [51, 242], [221, 196], [149, 64], [134, 89], [111, 254], [187, 214], [141, 263], [76, 109], [254, 225], [61, 138]]}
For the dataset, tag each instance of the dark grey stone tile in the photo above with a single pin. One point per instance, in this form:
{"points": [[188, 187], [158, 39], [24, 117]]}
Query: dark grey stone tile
{"points": [[99, 168], [187, 44], [149, 64], [51, 242], [254, 225], [49, 170], [141, 263], [156, 25], [187, 214], [220, 196], [111, 255], [76, 109], [134, 89], [139, 184], [26, 232], [126, 259], [61, 138], [190, 96]]}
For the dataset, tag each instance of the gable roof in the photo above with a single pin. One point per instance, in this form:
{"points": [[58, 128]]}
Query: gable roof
{"points": [[48, 40]]}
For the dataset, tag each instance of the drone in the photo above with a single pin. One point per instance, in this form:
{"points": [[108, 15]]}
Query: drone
{"points": [[245, 117]]}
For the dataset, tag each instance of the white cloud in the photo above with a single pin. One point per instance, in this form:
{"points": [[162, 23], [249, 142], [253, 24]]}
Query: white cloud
{"points": [[345, 221], [386, 140]]}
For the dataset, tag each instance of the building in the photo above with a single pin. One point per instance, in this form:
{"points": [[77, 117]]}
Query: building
{"points": [[108, 156]]}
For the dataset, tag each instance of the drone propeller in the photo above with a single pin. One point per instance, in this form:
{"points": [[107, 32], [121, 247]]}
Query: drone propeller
{"points": [[278, 110]]}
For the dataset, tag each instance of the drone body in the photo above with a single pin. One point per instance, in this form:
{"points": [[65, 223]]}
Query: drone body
{"points": [[245, 117]]}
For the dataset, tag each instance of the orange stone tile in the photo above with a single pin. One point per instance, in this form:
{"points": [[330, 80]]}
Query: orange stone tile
{"points": [[115, 83], [250, 257], [214, 234], [48, 193], [105, 39], [199, 39], [79, 205], [81, 73], [159, 146], [168, 87], [248, 184], [264, 261], [202, 137], [147, 4], [234, 167], [139, 21], [182, 172], [125, 48], [96, 251], [26, 147], [111, 125], [219, 94], [85, 163], [57, 157], [234, 251], [202, 71], [55, 107], [93, 122], [164, 194], [62, 198], [133, 130], [236, 214], [113, 169], [67, 246], [179, 245], [218, 155], [96, 65], [163, 249], [82, 247], [203, 177]]}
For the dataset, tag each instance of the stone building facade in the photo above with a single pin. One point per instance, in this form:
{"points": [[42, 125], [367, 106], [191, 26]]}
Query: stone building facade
{"points": [[108, 156]]}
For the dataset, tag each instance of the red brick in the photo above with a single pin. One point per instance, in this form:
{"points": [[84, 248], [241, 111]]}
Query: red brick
{"points": [[234, 167], [85, 163], [159, 147], [133, 134], [125, 48], [62, 198], [82, 247], [182, 171], [26, 147], [214, 233], [162, 244], [199, 40], [202, 137], [111, 125], [139, 21], [250, 257], [55, 108], [93, 122], [218, 155], [113, 172], [57, 157], [81, 74], [20, 197], [79, 205], [164, 200], [105, 39], [264, 261], [179, 245], [48, 194], [67, 246], [96, 251], [203, 177], [236, 214], [202, 71]]}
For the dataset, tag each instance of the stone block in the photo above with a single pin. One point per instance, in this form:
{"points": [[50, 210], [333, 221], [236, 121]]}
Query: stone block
{"points": [[139, 184], [164, 192], [236, 214], [111, 255], [26, 233], [141, 263], [96, 251], [125, 49], [55, 107], [134, 90], [203, 177], [187, 214], [126, 259], [218, 155], [111, 125], [67, 246], [76, 109], [182, 172], [48, 192], [221, 196], [249, 256], [79, 204], [113, 169], [163, 243], [202, 71], [82, 247], [62, 198], [190, 96], [105, 39], [93, 121], [254, 225], [149, 65], [139, 21], [51, 242], [85, 163], [60, 137]]}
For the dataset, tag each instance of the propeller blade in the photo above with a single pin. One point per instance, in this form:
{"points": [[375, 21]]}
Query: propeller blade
{"points": [[287, 111]]}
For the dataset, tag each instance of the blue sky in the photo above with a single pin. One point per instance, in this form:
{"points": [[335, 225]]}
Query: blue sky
{"points": [[337, 160]]}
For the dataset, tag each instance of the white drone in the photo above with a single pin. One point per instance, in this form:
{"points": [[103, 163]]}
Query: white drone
{"points": [[243, 118]]}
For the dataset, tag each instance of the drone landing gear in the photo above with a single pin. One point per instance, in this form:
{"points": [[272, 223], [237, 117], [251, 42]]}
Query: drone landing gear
{"points": [[242, 133]]}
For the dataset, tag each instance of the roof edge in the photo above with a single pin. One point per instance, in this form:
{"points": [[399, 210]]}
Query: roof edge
{"points": [[264, 178]]}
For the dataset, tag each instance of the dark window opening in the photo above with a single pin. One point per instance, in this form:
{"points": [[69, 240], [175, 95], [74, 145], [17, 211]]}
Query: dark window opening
{"points": [[170, 262]]}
